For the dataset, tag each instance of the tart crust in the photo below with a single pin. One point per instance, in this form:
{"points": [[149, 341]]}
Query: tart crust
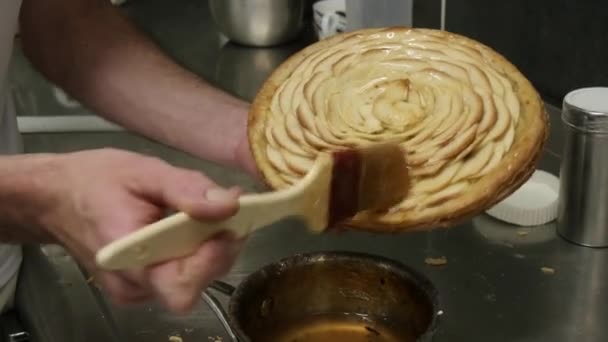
{"points": [[472, 195]]}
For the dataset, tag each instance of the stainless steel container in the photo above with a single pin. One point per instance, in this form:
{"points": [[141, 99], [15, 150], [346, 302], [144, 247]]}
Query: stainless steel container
{"points": [[583, 209], [259, 22]]}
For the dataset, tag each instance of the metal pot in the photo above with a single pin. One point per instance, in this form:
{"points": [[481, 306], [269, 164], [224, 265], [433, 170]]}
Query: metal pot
{"points": [[329, 296], [259, 22]]}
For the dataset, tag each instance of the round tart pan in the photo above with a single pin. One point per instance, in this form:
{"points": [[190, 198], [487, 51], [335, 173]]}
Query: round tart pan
{"points": [[473, 126]]}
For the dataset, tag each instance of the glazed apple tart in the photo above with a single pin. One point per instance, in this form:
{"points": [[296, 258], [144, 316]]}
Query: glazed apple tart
{"points": [[471, 125]]}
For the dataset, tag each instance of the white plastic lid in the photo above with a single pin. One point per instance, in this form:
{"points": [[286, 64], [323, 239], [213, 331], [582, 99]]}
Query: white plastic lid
{"points": [[534, 203]]}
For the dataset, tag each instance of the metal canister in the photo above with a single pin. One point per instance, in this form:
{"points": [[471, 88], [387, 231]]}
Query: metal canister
{"points": [[583, 207], [259, 23]]}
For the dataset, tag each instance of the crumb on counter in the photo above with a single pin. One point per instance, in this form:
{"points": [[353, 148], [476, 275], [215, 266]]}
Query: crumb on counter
{"points": [[175, 339], [522, 233], [439, 261], [215, 339], [547, 270]]}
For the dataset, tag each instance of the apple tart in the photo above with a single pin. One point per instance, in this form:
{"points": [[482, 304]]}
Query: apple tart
{"points": [[471, 125]]}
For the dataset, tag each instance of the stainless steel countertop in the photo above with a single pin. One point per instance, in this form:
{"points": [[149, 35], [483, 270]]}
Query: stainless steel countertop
{"points": [[492, 288]]}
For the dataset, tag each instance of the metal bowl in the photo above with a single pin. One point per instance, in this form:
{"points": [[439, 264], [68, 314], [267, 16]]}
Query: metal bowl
{"points": [[331, 296], [259, 22]]}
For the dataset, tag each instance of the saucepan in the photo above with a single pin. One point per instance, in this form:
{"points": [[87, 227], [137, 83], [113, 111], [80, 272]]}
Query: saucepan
{"points": [[329, 296]]}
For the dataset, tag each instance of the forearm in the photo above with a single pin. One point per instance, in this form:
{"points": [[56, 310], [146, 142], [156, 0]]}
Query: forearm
{"points": [[25, 182], [92, 51]]}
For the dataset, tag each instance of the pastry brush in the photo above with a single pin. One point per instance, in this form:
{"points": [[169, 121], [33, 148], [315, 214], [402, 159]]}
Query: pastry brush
{"points": [[339, 185]]}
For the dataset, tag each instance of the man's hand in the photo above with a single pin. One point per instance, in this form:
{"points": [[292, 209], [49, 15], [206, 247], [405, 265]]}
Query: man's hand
{"points": [[85, 200]]}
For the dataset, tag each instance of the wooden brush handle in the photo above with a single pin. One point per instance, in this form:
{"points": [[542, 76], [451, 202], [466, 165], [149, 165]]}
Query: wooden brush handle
{"points": [[180, 235]]}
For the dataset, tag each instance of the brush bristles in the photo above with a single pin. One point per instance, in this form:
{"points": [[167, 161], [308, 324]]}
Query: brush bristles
{"points": [[369, 178], [384, 179]]}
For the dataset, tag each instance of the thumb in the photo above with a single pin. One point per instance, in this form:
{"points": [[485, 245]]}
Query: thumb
{"points": [[217, 203], [188, 191], [198, 196]]}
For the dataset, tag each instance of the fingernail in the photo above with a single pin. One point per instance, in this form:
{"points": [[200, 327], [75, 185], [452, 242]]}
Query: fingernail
{"points": [[219, 195]]}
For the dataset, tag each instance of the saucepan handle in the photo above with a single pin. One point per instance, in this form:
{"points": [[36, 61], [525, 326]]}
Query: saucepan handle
{"points": [[217, 308]]}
